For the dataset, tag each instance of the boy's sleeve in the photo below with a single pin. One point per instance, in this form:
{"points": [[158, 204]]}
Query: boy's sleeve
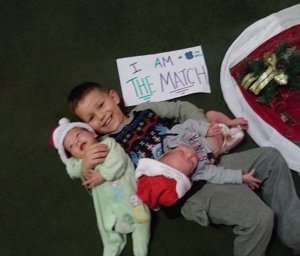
{"points": [[115, 163], [178, 110], [191, 125], [73, 167]]}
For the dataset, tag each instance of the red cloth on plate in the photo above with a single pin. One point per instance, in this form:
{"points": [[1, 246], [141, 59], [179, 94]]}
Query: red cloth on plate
{"points": [[288, 104]]}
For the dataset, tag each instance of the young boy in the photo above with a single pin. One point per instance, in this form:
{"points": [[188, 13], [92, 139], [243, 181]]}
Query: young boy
{"points": [[140, 134], [163, 182], [118, 210]]}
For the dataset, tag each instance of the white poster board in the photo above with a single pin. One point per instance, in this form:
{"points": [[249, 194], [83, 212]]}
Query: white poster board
{"points": [[163, 76]]}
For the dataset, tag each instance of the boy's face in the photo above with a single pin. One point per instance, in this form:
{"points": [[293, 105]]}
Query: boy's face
{"points": [[77, 140], [183, 158], [101, 111]]}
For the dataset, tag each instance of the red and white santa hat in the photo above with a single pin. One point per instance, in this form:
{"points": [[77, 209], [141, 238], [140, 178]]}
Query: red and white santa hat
{"points": [[59, 133], [160, 184]]}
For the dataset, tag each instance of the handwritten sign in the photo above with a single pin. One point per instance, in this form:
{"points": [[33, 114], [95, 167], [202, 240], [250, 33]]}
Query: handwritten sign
{"points": [[163, 76]]}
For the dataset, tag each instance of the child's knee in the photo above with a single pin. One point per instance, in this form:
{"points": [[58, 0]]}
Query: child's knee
{"points": [[211, 115], [271, 151], [274, 155], [265, 218]]}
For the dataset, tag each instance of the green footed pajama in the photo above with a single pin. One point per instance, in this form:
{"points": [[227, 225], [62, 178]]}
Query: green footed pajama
{"points": [[118, 210]]}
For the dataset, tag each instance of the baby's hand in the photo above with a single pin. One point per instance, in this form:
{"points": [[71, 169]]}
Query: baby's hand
{"points": [[252, 182], [95, 154], [93, 179], [213, 130]]}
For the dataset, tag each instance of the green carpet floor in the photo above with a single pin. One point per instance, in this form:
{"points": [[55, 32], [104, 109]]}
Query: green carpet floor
{"points": [[47, 47]]}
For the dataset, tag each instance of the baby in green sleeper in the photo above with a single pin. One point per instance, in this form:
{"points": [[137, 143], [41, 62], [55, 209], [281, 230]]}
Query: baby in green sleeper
{"points": [[118, 209]]}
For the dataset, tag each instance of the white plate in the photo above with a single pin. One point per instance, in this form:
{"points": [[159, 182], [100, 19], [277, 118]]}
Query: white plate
{"points": [[256, 34]]}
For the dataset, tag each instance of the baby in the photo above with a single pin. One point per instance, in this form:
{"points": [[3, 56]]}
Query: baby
{"points": [[118, 209], [164, 181]]}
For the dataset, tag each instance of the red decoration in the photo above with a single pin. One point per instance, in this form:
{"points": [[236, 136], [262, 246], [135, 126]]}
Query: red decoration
{"points": [[284, 112]]}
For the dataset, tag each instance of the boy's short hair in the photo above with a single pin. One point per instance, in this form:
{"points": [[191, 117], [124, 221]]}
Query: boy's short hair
{"points": [[81, 90]]}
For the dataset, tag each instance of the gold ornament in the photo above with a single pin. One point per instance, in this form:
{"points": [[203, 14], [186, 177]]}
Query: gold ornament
{"points": [[272, 72]]}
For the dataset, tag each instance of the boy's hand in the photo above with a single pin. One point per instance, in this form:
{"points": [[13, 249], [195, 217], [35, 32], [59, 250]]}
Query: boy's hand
{"points": [[95, 154], [93, 179], [252, 182], [213, 130]]}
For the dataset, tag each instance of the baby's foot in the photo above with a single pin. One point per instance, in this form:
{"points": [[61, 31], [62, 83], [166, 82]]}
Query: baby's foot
{"points": [[231, 136]]}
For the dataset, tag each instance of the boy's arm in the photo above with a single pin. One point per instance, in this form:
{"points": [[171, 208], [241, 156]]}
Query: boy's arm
{"points": [[178, 110], [95, 154], [191, 125], [93, 178]]}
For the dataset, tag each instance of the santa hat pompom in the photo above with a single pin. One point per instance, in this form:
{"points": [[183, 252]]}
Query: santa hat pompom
{"points": [[63, 121]]}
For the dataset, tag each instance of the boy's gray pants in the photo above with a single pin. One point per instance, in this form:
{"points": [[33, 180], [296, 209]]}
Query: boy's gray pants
{"points": [[237, 205]]}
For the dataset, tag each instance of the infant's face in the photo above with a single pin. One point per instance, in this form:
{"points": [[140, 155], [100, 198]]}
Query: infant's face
{"points": [[183, 158], [78, 140]]}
